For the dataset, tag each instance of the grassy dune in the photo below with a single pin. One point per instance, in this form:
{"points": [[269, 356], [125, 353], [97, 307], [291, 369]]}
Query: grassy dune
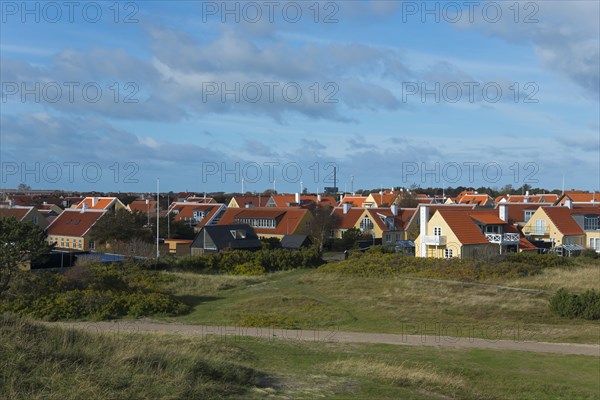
{"points": [[395, 304], [51, 363]]}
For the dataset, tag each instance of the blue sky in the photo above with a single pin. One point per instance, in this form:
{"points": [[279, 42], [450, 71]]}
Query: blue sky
{"points": [[388, 93]]}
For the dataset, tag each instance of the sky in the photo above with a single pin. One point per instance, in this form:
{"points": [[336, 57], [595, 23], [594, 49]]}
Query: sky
{"points": [[241, 95]]}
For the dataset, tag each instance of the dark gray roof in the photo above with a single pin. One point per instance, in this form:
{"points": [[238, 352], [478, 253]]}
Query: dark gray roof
{"points": [[295, 241], [223, 238]]}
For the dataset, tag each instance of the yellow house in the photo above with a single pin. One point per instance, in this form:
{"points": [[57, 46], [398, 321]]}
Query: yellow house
{"points": [[71, 229], [565, 227], [463, 234]]}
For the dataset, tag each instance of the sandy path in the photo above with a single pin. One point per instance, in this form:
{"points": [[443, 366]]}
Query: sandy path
{"points": [[145, 326]]}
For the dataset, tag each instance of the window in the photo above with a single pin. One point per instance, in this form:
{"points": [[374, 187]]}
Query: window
{"points": [[92, 245], [437, 231], [366, 224], [448, 253], [35, 219], [595, 244], [388, 238], [528, 215], [492, 229], [238, 233], [540, 226], [590, 223]]}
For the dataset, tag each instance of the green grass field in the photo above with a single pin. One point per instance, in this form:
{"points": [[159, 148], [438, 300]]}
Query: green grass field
{"points": [[311, 299], [52, 363]]}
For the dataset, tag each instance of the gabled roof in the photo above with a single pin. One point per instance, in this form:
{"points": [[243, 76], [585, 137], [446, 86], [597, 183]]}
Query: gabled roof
{"points": [[74, 222], [223, 237], [385, 199], [17, 212], [98, 203], [534, 198], [254, 201], [185, 211], [285, 200], [562, 219], [356, 201], [463, 227], [477, 199], [295, 241], [287, 219], [141, 206], [349, 220], [516, 211], [579, 197], [486, 217]]}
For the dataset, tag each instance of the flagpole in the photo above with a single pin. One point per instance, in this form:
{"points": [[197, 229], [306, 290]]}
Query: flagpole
{"points": [[157, 216]]}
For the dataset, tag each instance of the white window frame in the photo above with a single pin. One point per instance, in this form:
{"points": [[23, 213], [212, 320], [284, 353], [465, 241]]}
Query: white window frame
{"points": [[437, 231], [448, 253]]}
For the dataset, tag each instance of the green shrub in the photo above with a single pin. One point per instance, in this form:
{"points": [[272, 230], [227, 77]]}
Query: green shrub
{"points": [[572, 305], [91, 291], [229, 261], [379, 264]]}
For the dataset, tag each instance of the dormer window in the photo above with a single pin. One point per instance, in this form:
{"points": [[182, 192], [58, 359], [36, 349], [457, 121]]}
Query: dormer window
{"points": [[366, 224], [238, 233]]}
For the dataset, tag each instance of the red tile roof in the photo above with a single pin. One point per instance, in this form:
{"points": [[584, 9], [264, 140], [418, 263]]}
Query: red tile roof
{"points": [[486, 217], [356, 201], [534, 198], [102, 203], [141, 206], [463, 227], [185, 211], [74, 223], [282, 200], [562, 218], [19, 212], [255, 201], [516, 211], [349, 220], [287, 219]]}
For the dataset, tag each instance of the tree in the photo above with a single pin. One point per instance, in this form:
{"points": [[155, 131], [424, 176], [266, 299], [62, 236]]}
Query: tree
{"points": [[23, 187], [19, 242], [121, 226], [322, 224]]}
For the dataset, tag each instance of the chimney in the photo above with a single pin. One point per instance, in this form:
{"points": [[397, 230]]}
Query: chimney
{"points": [[346, 207], [569, 203], [319, 198], [297, 198], [94, 201], [11, 203], [423, 220], [394, 209], [84, 208], [503, 212], [249, 205], [45, 203]]}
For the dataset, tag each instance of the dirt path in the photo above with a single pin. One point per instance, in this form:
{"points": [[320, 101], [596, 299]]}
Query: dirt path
{"points": [[145, 326]]}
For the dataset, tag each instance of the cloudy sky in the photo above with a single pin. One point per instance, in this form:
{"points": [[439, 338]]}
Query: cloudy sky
{"points": [[110, 96]]}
